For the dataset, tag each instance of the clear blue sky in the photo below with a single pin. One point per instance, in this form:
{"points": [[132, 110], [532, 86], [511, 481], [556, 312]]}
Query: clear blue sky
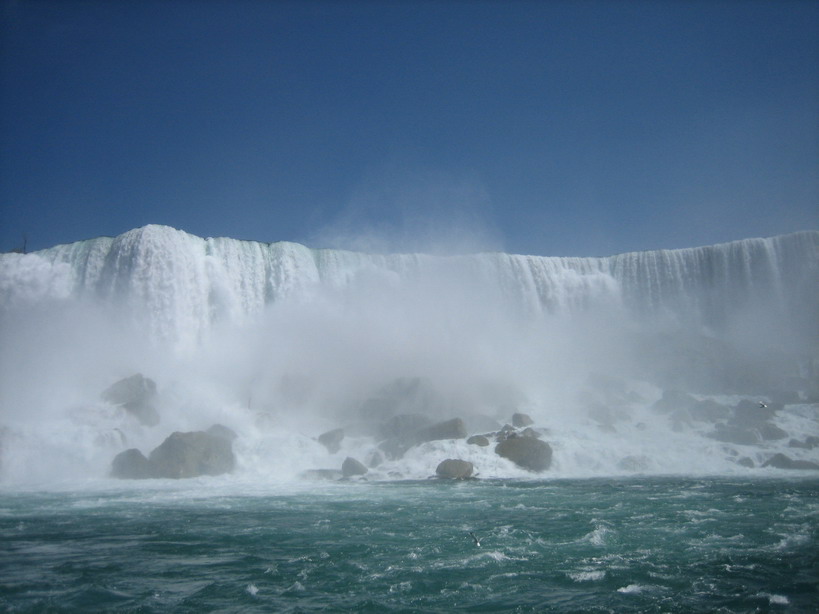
{"points": [[552, 128]]}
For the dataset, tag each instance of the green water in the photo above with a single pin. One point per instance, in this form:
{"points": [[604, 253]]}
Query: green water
{"points": [[636, 545]]}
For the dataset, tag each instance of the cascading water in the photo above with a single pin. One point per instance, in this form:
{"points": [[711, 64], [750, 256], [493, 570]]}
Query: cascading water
{"points": [[280, 342]]}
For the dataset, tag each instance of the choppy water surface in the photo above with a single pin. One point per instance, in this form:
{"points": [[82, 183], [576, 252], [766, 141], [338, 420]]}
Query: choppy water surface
{"points": [[596, 545]]}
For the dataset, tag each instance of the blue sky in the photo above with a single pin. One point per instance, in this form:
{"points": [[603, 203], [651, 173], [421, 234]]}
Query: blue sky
{"points": [[551, 128]]}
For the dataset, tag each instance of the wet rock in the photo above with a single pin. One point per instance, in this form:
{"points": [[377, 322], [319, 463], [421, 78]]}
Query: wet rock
{"points": [[454, 469], [635, 464], [808, 444], [674, 400], [520, 420], [736, 435], [770, 432], [478, 440], [530, 432], [746, 462], [137, 396], [403, 436], [480, 423], [709, 411], [332, 440], [750, 412], [219, 430], [322, 474], [526, 452], [450, 429], [131, 465], [404, 426], [781, 461], [193, 454], [351, 467]]}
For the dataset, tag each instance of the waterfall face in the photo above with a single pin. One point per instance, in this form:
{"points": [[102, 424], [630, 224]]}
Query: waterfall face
{"points": [[278, 340], [178, 285]]}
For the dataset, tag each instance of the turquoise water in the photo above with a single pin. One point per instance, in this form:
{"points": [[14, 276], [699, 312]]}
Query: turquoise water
{"points": [[593, 545]]}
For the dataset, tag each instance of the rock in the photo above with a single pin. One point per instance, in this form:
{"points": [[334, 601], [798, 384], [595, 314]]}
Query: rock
{"points": [[454, 469], [749, 412], [450, 429], [481, 423], [401, 435], [131, 465], [351, 467], [189, 455], [530, 432], [403, 426], [809, 443], [322, 474], [137, 396], [332, 440], [736, 435], [674, 400], [781, 461], [770, 432], [478, 440], [634, 463], [746, 462], [526, 452], [219, 430], [520, 420], [709, 411]]}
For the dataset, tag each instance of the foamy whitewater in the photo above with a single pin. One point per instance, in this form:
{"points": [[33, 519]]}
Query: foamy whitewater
{"points": [[280, 343], [678, 392]]}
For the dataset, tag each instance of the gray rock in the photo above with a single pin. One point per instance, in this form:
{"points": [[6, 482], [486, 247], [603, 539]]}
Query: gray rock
{"points": [[746, 462], [530, 432], [450, 429], [674, 400], [189, 455], [131, 465], [480, 423], [526, 452], [709, 411], [322, 474], [737, 435], [351, 467], [332, 440], [219, 430], [809, 443], [137, 396], [478, 440], [454, 469], [781, 461], [770, 432], [403, 427], [520, 420]]}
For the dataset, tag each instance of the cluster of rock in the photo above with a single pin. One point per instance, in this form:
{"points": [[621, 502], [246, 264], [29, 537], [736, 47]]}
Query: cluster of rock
{"points": [[517, 442], [181, 455], [746, 423]]}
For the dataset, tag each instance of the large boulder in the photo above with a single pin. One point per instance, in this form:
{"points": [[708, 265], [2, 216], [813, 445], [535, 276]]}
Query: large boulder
{"points": [[781, 461], [527, 452], [403, 426], [450, 429], [454, 469], [520, 420], [478, 440], [404, 432], [189, 455], [137, 396], [131, 465], [351, 467], [332, 440]]}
